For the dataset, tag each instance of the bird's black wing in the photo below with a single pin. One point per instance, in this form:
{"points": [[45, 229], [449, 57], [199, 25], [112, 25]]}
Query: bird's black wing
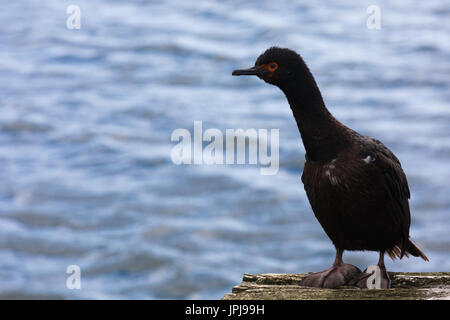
{"points": [[387, 171]]}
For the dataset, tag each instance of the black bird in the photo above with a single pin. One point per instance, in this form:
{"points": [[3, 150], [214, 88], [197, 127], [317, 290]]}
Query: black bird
{"points": [[355, 185]]}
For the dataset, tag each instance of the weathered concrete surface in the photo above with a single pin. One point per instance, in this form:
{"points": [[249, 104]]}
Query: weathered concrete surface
{"points": [[405, 286]]}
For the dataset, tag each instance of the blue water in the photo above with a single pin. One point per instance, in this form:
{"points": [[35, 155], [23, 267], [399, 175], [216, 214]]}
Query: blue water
{"points": [[86, 119]]}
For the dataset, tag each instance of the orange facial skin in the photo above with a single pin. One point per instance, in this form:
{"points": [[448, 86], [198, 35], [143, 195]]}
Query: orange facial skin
{"points": [[272, 67]]}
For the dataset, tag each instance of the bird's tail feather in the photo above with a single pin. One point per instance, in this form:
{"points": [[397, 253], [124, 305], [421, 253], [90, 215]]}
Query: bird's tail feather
{"points": [[408, 248]]}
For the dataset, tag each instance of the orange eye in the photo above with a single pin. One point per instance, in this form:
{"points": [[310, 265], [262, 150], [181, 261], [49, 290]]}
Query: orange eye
{"points": [[272, 66]]}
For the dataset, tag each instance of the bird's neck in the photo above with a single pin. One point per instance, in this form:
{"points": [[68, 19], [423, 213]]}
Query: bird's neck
{"points": [[323, 136]]}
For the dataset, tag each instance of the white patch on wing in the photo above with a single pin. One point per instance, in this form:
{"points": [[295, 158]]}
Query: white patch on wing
{"points": [[368, 159]]}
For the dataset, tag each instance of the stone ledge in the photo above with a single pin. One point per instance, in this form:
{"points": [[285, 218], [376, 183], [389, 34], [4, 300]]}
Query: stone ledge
{"points": [[405, 286]]}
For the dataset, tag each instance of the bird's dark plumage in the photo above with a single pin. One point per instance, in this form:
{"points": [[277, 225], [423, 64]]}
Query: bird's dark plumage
{"points": [[355, 184]]}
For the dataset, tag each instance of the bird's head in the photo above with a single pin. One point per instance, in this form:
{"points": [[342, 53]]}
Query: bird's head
{"points": [[276, 66]]}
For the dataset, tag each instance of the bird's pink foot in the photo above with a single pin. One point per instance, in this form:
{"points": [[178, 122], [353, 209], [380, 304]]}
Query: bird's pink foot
{"points": [[337, 275]]}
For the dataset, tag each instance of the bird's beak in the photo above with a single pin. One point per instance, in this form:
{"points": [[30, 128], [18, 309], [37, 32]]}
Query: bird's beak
{"points": [[253, 71]]}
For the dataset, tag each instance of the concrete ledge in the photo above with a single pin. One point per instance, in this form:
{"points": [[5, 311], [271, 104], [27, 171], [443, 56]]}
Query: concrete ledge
{"points": [[405, 286]]}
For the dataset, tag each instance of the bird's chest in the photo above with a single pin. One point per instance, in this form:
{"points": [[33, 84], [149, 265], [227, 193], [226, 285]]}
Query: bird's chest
{"points": [[338, 185], [329, 185]]}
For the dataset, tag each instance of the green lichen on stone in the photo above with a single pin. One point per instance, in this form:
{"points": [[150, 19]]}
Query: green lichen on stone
{"points": [[405, 286]]}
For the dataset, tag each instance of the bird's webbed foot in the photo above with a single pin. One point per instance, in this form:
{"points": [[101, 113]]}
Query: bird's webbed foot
{"points": [[337, 275]]}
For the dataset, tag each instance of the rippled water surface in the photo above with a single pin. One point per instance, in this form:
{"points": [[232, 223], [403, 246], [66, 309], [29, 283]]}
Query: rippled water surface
{"points": [[87, 115]]}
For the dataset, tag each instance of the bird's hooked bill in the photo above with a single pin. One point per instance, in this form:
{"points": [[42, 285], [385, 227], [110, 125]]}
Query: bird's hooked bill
{"points": [[253, 71]]}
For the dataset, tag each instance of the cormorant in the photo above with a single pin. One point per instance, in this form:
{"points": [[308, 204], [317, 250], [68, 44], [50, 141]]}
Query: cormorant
{"points": [[354, 183]]}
